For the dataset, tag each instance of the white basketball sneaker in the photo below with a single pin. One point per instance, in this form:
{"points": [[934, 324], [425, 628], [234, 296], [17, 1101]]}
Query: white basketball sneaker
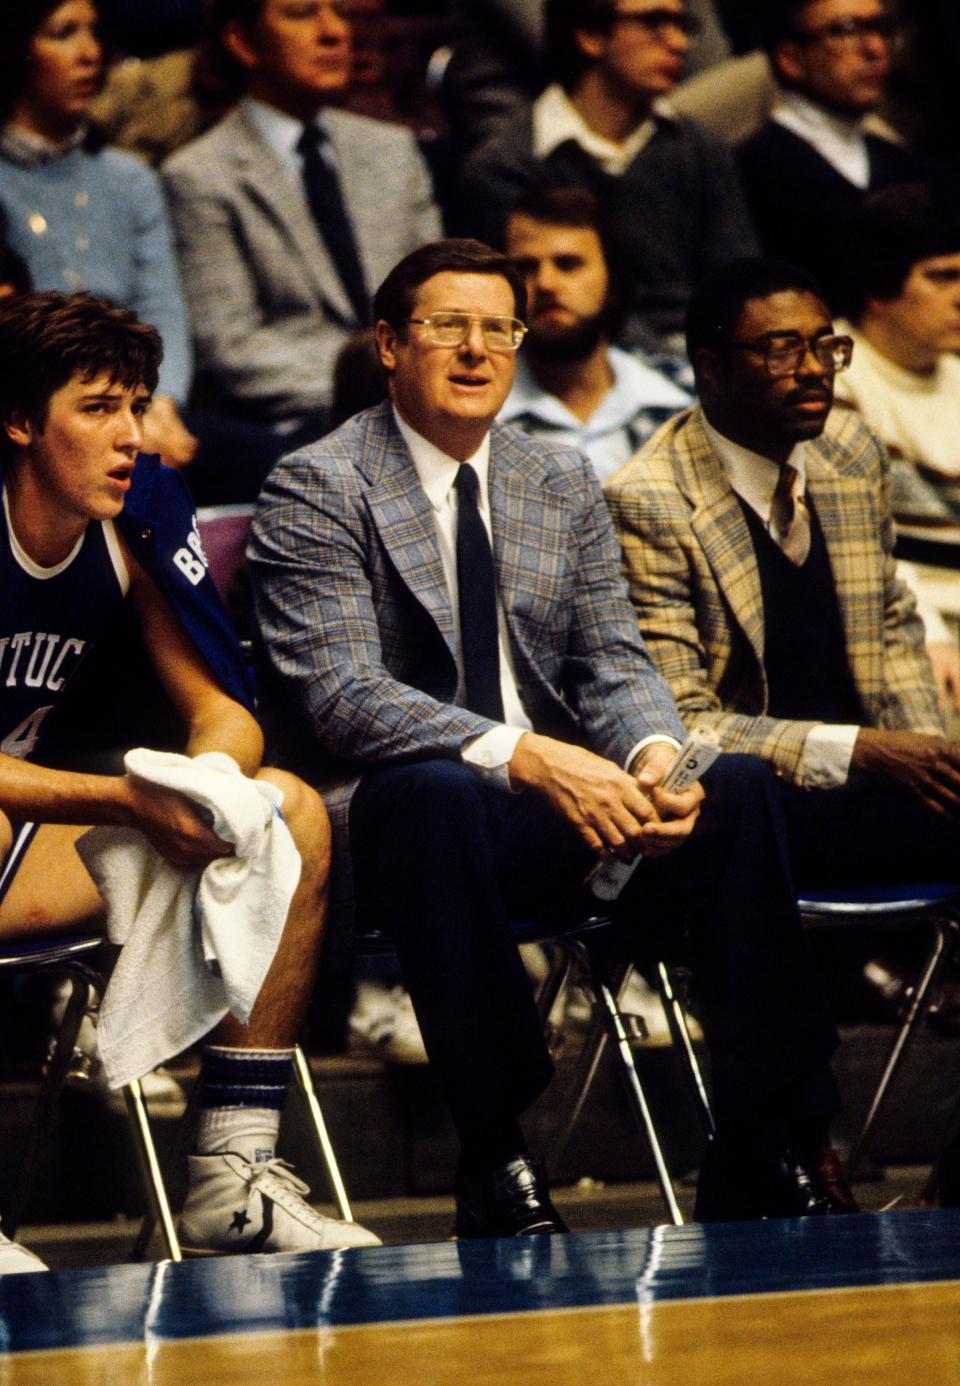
{"points": [[383, 1022], [236, 1206], [16, 1259]]}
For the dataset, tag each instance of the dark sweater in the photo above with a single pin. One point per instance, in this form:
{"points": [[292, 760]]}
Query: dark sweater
{"points": [[802, 207], [675, 213], [805, 656]]}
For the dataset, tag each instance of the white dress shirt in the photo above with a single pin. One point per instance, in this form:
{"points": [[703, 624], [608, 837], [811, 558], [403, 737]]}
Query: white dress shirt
{"points": [[556, 119], [838, 139], [281, 134], [825, 763], [490, 753]]}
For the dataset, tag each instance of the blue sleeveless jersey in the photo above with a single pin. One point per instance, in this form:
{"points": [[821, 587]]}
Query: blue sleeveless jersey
{"points": [[50, 618]]}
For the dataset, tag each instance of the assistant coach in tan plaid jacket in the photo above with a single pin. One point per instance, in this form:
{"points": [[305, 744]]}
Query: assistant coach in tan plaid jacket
{"points": [[819, 665]]}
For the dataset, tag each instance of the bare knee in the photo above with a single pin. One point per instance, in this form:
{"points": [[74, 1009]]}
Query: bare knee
{"points": [[306, 817], [6, 835]]}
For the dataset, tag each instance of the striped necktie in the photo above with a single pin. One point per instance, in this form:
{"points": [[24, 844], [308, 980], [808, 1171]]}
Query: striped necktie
{"points": [[789, 517]]}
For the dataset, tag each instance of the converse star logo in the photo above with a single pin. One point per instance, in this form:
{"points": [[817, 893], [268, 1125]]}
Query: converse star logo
{"points": [[240, 1221]]}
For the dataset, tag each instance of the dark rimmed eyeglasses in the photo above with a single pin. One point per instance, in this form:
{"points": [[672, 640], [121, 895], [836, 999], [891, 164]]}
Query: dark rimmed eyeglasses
{"points": [[785, 355], [450, 329], [851, 30], [657, 21]]}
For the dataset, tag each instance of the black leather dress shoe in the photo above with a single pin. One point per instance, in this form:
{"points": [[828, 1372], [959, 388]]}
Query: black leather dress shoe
{"points": [[737, 1185], [512, 1200]]}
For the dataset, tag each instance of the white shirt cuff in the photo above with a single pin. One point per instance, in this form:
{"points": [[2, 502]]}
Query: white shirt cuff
{"points": [[490, 754], [825, 763], [642, 746]]}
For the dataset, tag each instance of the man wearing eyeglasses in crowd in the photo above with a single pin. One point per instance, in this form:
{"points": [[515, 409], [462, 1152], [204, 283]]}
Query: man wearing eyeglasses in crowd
{"points": [[807, 170], [668, 188], [498, 728], [757, 541]]}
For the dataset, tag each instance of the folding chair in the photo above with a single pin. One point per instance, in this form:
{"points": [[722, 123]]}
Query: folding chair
{"points": [[937, 906], [577, 948], [69, 957]]}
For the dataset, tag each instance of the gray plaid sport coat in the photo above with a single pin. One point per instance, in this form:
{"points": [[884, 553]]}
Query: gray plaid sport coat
{"points": [[692, 573], [356, 622], [269, 311]]}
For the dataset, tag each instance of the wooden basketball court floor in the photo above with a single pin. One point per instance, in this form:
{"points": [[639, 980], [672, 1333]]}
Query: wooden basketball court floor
{"points": [[854, 1300]]}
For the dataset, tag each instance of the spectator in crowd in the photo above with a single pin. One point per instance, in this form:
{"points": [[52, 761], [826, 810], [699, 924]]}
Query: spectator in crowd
{"points": [[496, 67], [571, 385], [902, 289], [286, 213], [82, 216], [903, 296], [807, 169], [83, 525], [441, 675], [668, 189], [757, 542]]}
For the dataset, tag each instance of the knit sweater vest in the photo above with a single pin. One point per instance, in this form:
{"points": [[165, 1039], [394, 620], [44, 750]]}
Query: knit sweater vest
{"points": [[804, 657]]}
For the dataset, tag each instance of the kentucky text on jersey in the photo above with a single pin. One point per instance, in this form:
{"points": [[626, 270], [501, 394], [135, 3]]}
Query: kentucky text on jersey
{"points": [[41, 660]]}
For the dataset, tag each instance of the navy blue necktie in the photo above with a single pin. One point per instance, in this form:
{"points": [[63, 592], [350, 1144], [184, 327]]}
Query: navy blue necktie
{"points": [[325, 198], [477, 594]]}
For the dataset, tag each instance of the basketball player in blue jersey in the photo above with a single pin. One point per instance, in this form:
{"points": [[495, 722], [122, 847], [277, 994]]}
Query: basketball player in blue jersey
{"points": [[84, 527]]}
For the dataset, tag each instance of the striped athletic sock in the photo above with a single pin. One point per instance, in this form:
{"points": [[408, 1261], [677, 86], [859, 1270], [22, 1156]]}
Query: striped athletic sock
{"points": [[242, 1092]]}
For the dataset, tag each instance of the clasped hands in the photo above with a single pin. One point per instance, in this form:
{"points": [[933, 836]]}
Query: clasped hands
{"points": [[615, 813]]}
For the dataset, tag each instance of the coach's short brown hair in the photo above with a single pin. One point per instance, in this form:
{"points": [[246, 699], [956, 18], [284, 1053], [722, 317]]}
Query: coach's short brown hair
{"points": [[397, 294]]}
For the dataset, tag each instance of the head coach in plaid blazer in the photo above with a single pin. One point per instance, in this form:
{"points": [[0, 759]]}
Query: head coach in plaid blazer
{"points": [[815, 662], [451, 646]]}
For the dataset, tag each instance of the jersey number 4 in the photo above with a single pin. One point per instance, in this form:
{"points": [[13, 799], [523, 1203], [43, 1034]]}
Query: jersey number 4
{"points": [[21, 741]]}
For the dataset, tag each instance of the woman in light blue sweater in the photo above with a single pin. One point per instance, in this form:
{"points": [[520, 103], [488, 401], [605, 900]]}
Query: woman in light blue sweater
{"points": [[83, 216]]}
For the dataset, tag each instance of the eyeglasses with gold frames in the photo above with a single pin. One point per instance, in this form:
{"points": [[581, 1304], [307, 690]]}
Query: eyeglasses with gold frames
{"points": [[451, 329]]}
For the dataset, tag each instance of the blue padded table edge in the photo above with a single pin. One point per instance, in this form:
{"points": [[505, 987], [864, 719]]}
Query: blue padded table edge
{"points": [[452, 1280]]}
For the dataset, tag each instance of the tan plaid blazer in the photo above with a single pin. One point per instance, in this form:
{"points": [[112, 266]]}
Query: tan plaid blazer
{"points": [[693, 580]]}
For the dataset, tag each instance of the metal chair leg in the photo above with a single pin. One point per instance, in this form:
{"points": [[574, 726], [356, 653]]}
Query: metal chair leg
{"points": [[680, 1032], [635, 1092], [553, 984], [324, 1145], [934, 965], [594, 1048], [82, 987], [150, 1166]]}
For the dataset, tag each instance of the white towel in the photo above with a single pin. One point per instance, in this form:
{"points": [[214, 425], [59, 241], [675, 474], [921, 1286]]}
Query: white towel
{"points": [[195, 945]]}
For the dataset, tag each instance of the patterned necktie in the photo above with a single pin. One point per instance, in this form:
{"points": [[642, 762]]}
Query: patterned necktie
{"points": [[789, 517], [325, 199], [477, 599]]}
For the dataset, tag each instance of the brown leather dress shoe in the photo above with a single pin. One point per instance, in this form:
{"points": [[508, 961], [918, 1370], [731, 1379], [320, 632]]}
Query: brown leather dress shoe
{"points": [[512, 1200]]}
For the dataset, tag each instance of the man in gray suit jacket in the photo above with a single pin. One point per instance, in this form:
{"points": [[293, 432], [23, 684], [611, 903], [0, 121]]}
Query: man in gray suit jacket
{"points": [[261, 244], [493, 726]]}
